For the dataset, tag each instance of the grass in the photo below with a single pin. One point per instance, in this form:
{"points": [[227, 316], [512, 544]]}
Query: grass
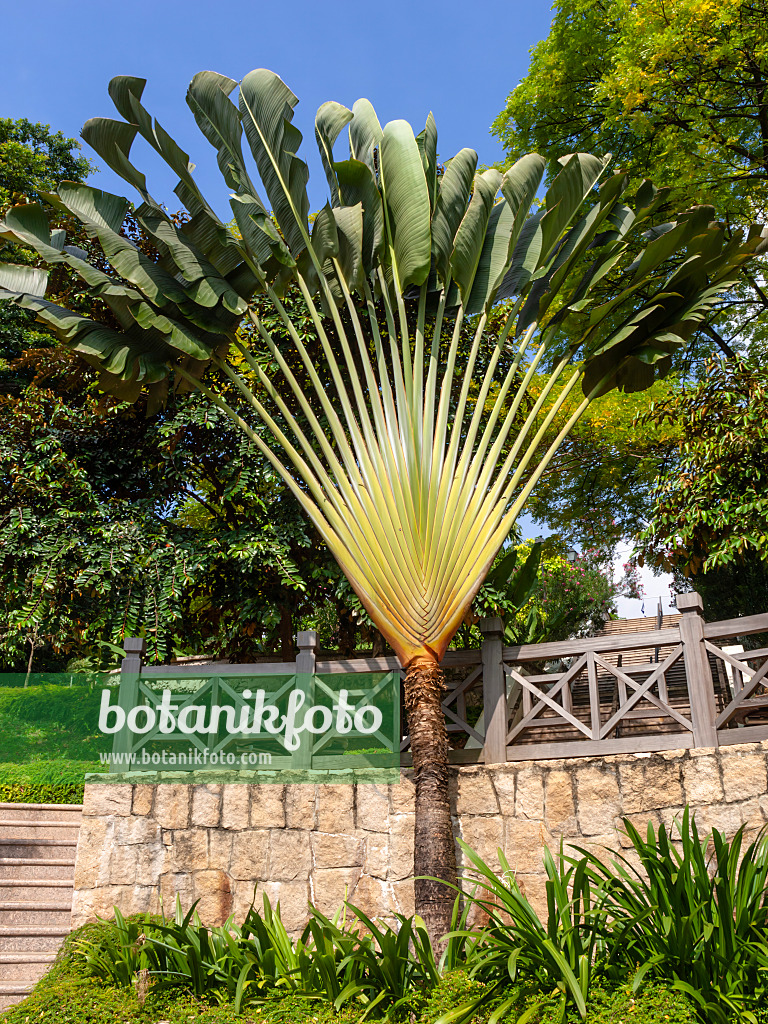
{"points": [[46, 742]]}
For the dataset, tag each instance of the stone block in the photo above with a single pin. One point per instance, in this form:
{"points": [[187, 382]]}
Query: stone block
{"points": [[726, 818], [206, 805], [374, 897], [376, 860], [122, 865], [90, 904], [484, 835], [143, 798], [405, 897], [245, 894], [332, 886], [94, 845], [661, 786], [173, 884], [534, 888], [333, 851], [598, 800], [529, 801], [267, 807], [476, 794], [300, 806], [172, 806], [150, 864], [752, 816], [523, 845], [402, 794], [294, 902], [107, 800], [190, 849], [335, 809], [372, 808], [136, 831], [214, 891], [220, 848], [401, 840], [290, 855], [504, 778], [235, 803], [559, 806], [640, 822], [250, 855], [701, 778], [743, 777]]}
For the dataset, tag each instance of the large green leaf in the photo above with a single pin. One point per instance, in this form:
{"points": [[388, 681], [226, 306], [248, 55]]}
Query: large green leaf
{"points": [[357, 187], [406, 204], [451, 205], [266, 107], [365, 134], [470, 238], [330, 119]]}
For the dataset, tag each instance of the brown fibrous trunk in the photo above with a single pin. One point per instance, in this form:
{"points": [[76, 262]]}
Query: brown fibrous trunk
{"points": [[434, 849]]}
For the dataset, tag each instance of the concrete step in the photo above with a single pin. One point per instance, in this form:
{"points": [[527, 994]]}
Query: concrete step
{"points": [[23, 889], [31, 913], [20, 939], [41, 849], [24, 968], [37, 867], [37, 830], [6, 1002], [41, 812]]}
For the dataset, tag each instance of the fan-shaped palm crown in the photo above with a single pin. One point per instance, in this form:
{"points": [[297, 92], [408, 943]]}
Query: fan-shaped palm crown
{"points": [[412, 473]]}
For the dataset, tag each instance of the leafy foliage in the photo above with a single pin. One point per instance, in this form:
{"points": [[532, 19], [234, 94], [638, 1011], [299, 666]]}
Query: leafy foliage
{"points": [[555, 599], [710, 508], [676, 90]]}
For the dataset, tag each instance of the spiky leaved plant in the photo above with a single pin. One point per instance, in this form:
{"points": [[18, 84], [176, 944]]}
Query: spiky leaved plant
{"points": [[412, 481]]}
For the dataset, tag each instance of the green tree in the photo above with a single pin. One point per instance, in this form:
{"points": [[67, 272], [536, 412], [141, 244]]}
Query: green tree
{"points": [[33, 159], [676, 90], [413, 489], [112, 524], [710, 509]]}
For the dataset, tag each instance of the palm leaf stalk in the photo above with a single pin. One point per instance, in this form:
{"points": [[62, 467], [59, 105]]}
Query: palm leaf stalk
{"points": [[412, 471]]}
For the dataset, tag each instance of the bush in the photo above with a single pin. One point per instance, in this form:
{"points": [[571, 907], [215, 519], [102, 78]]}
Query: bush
{"points": [[44, 782]]}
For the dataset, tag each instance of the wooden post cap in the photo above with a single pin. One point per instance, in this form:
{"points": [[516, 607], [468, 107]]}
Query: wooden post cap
{"points": [[690, 602], [134, 645]]}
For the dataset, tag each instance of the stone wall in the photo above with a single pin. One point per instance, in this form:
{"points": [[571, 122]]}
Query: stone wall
{"points": [[142, 842]]}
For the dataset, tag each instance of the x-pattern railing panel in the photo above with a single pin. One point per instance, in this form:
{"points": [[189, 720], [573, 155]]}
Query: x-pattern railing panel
{"points": [[746, 681], [559, 696]]}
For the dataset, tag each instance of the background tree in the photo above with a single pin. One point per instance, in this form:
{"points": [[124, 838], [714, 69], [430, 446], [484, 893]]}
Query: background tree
{"points": [[677, 90], [709, 520]]}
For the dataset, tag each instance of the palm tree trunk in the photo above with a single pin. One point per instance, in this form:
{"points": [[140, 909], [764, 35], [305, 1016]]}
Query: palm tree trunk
{"points": [[434, 850]]}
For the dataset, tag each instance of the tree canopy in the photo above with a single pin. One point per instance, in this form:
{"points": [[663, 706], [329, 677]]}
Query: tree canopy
{"points": [[676, 91]]}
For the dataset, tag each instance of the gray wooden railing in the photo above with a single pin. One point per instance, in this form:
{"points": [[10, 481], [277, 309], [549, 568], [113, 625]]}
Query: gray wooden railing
{"points": [[568, 698]]}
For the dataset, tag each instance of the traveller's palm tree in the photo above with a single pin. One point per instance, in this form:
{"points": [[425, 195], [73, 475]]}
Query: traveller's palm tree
{"points": [[412, 467]]}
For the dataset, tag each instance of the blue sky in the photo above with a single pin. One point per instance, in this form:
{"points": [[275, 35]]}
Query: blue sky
{"points": [[458, 59]]}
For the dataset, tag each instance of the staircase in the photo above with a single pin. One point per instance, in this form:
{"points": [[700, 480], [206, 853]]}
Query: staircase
{"points": [[37, 870]]}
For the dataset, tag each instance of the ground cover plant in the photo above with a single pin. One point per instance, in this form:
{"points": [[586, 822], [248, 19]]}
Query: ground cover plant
{"points": [[683, 939]]}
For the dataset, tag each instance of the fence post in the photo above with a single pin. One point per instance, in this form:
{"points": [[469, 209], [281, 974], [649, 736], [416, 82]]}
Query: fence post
{"points": [[700, 686], [494, 691], [306, 641], [128, 693]]}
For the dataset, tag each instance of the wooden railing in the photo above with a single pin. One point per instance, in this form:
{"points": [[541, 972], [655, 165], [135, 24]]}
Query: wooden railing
{"points": [[569, 698]]}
